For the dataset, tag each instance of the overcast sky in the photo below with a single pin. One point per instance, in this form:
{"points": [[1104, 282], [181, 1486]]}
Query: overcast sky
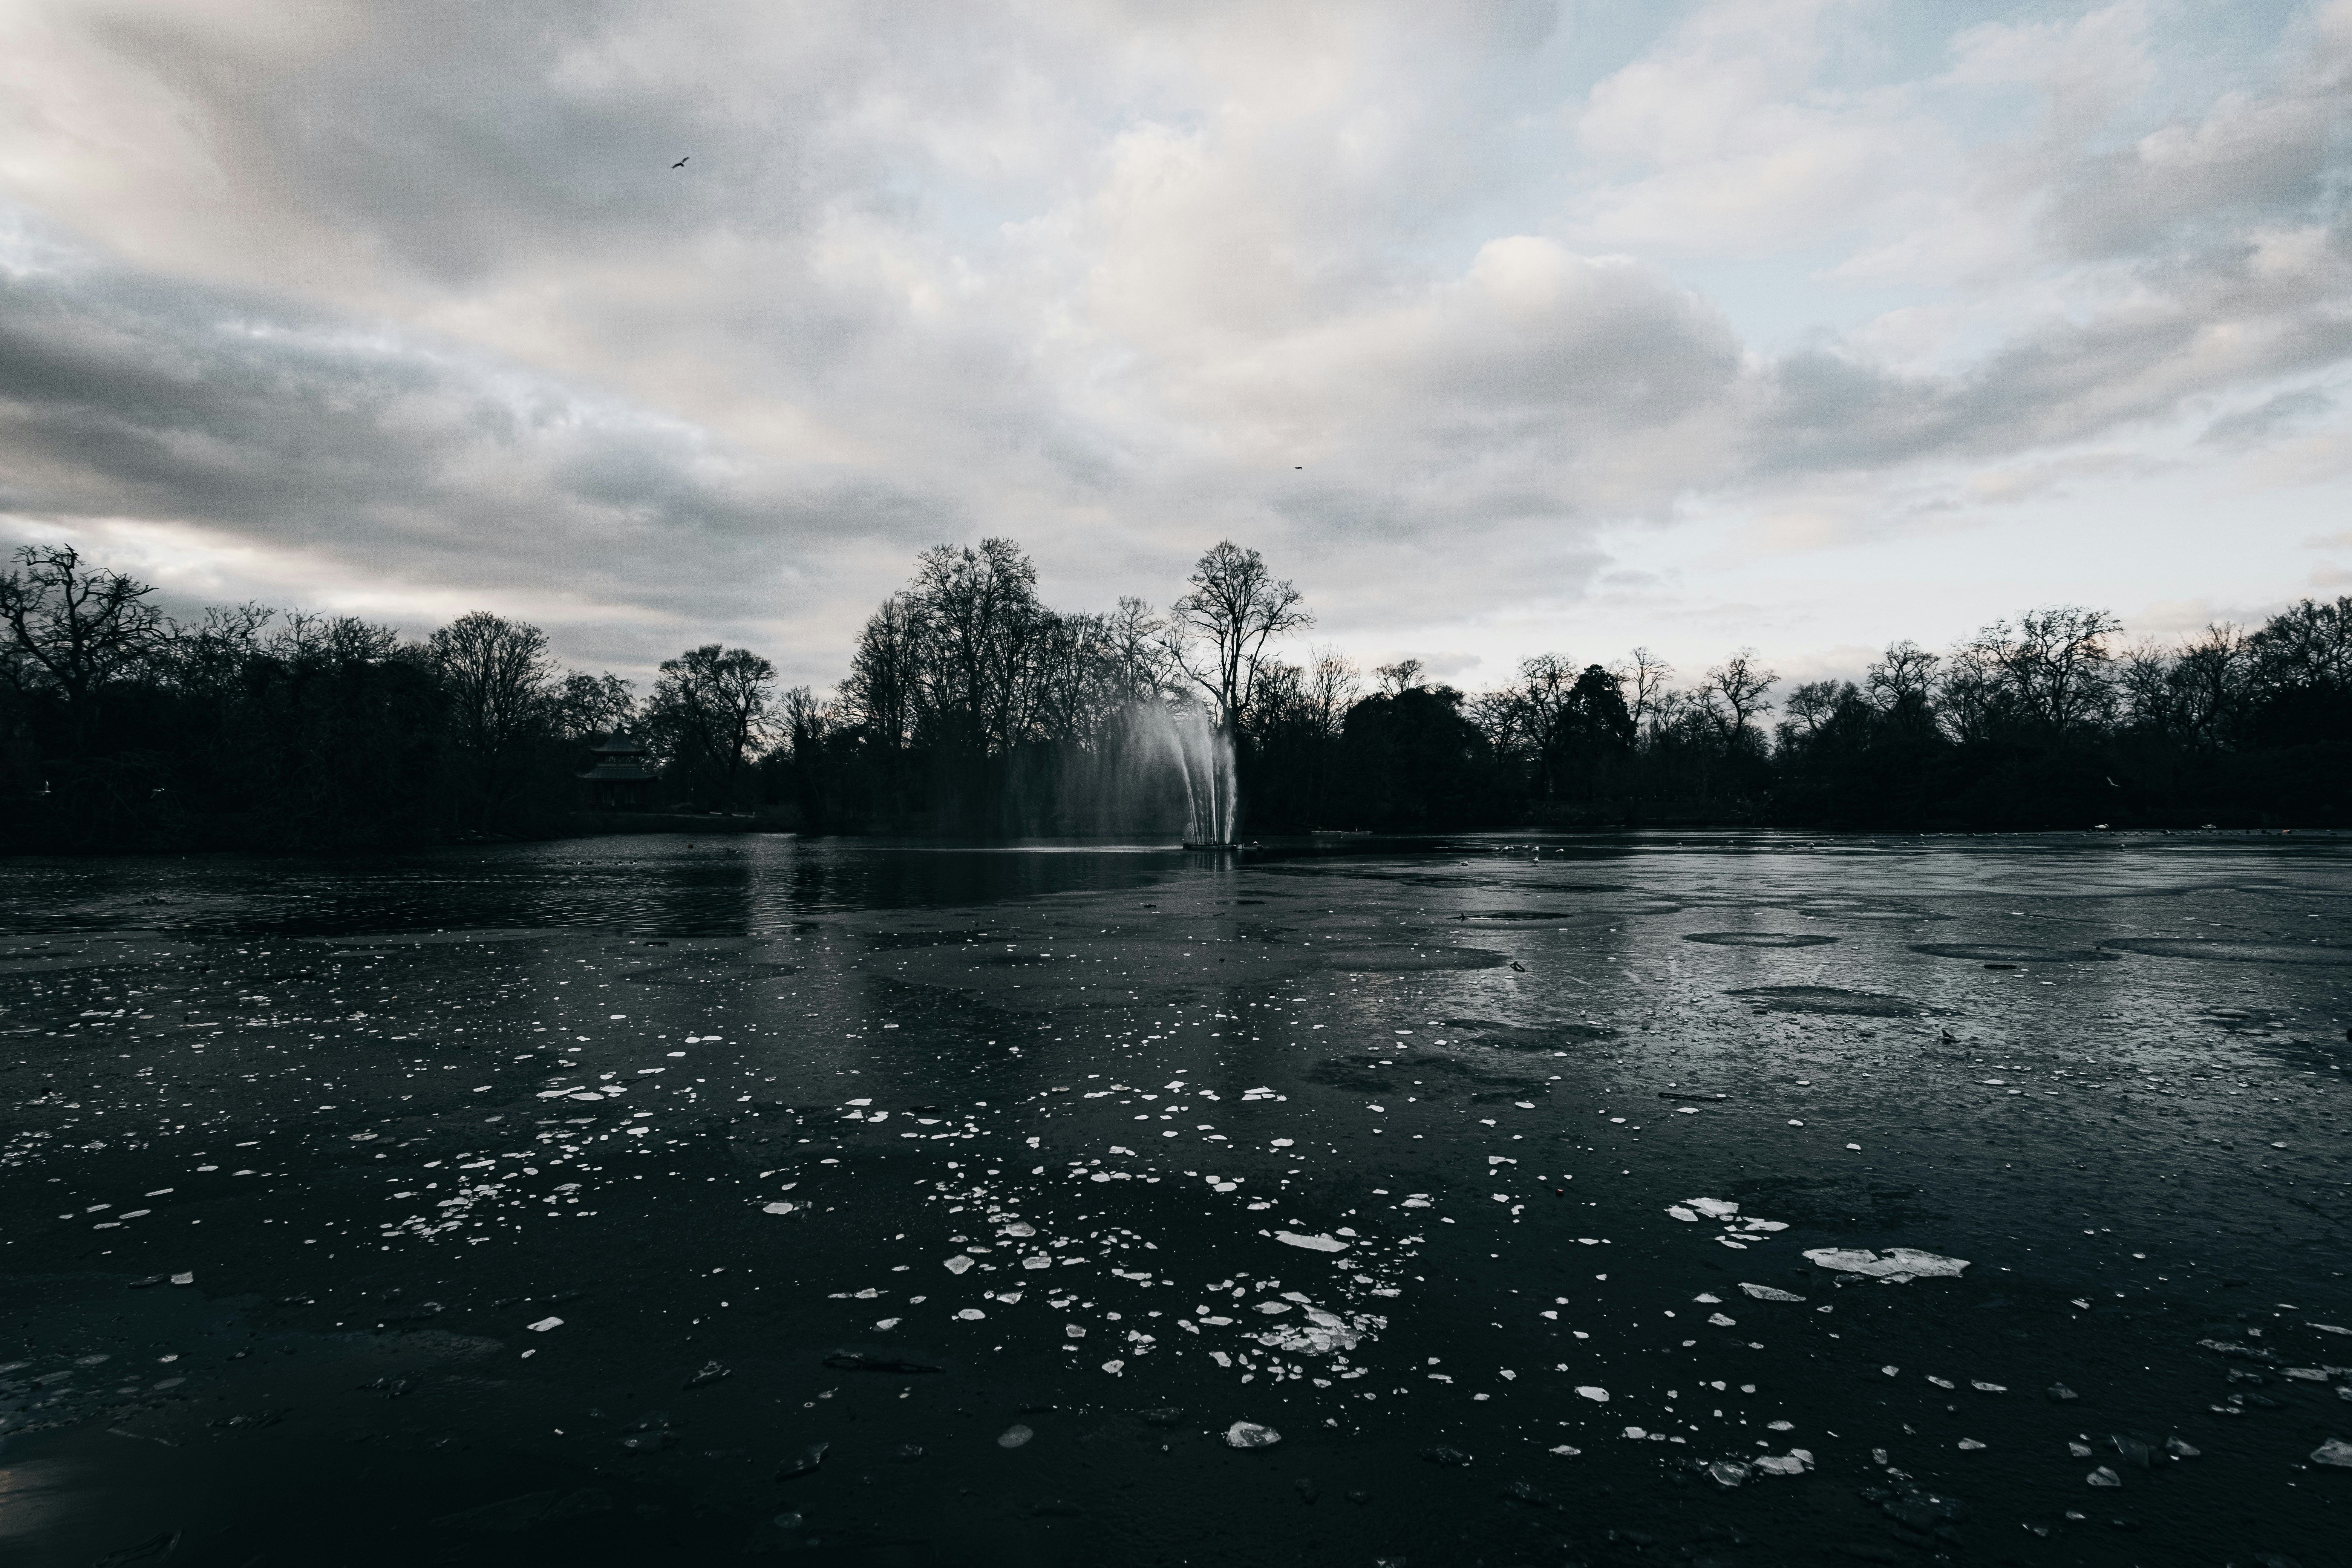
{"points": [[1500, 328]]}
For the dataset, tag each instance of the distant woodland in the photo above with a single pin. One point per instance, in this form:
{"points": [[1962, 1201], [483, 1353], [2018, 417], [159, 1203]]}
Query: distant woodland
{"points": [[971, 707]]}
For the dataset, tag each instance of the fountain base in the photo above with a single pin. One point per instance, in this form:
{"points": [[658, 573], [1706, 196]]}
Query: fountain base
{"points": [[1212, 846]]}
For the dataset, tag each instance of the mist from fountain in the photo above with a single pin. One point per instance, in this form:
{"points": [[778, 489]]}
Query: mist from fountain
{"points": [[1201, 753]]}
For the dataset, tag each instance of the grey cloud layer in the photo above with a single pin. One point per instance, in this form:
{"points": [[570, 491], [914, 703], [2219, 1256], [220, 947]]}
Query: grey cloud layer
{"points": [[410, 294]]}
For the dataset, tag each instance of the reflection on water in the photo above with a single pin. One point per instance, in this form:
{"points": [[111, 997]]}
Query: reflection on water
{"points": [[738, 884]]}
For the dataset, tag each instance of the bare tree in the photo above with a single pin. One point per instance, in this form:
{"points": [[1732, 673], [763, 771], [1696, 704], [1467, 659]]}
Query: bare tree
{"points": [[1905, 674], [588, 705], [977, 619], [1141, 668], [2306, 647], [1812, 704], [710, 707], [1400, 677], [74, 632], [1646, 677], [1735, 691], [808, 722], [879, 694], [2210, 675], [2053, 669], [1330, 686], [1235, 605], [497, 674]]}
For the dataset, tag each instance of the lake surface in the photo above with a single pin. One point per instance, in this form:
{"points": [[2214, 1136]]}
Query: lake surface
{"points": [[579, 1203]]}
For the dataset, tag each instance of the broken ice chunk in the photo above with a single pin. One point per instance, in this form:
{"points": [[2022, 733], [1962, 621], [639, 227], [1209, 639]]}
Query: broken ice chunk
{"points": [[1250, 1434], [1897, 1266], [1714, 1208], [2334, 1451], [1311, 1243], [801, 1464], [1683, 1214], [1598, 1395], [958, 1264], [1014, 1437], [544, 1324], [1767, 1293]]}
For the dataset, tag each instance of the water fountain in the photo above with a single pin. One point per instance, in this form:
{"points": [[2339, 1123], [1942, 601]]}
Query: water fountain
{"points": [[1202, 754]]}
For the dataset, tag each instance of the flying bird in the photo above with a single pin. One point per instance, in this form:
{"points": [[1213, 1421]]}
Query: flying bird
{"points": [[681, 163]]}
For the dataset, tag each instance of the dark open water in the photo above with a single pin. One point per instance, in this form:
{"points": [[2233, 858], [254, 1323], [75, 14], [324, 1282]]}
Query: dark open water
{"points": [[472, 1162]]}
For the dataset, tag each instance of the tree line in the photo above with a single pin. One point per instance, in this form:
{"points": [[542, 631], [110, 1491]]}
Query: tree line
{"points": [[124, 729], [972, 707]]}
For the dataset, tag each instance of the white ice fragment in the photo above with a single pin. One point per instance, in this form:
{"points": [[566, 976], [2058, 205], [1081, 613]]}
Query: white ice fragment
{"points": [[1250, 1434], [1075, 1331], [2331, 1328], [544, 1324], [1020, 1227], [2104, 1477], [184, 1278], [1714, 1208], [1988, 1387], [780, 1207], [885, 1325], [1311, 1243], [1271, 1308], [1898, 1265], [1685, 1216], [957, 1264], [1598, 1395], [1565, 1452], [1718, 1320], [1037, 1260], [1014, 1437], [857, 1102], [1767, 1293], [972, 1314], [1114, 1367], [2334, 1451], [1707, 1298]]}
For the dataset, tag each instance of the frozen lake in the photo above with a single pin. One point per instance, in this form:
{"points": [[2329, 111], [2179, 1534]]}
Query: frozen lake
{"points": [[579, 1201]]}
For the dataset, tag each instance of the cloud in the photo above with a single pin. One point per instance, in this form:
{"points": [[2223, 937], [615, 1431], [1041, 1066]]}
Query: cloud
{"points": [[1442, 308]]}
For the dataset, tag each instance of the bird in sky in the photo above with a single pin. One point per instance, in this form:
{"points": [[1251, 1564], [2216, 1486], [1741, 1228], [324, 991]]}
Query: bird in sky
{"points": [[681, 163]]}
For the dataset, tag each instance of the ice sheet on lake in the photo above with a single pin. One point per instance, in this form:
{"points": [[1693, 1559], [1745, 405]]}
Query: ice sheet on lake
{"points": [[1896, 1266]]}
